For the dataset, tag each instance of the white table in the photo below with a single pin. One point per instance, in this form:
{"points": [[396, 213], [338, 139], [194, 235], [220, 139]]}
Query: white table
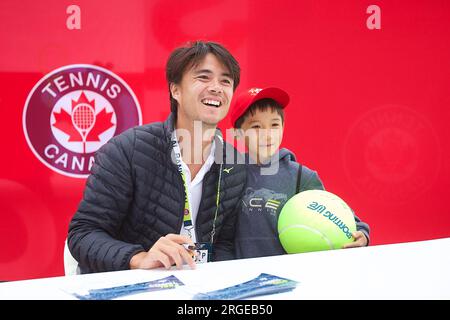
{"points": [[415, 270]]}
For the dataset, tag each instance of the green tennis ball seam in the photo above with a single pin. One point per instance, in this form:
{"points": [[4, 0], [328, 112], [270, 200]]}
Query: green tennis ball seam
{"points": [[313, 230]]}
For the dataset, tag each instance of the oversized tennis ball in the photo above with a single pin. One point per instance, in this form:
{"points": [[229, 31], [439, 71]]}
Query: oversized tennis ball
{"points": [[315, 220]]}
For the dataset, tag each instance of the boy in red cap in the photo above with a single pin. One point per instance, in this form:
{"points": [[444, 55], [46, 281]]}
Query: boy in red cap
{"points": [[273, 175]]}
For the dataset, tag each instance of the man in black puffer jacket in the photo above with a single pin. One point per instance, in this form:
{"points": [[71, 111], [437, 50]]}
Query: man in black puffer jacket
{"points": [[134, 213]]}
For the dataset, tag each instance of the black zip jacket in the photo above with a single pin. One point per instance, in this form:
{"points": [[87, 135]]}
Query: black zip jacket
{"points": [[135, 195]]}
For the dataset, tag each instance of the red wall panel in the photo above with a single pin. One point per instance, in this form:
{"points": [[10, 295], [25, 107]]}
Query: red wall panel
{"points": [[369, 108]]}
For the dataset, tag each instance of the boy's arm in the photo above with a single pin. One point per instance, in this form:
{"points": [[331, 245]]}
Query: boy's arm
{"points": [[362, 227], [310, 181]]}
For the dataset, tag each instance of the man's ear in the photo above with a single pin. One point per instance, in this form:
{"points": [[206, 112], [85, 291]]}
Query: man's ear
{"points": [[175, 91]]}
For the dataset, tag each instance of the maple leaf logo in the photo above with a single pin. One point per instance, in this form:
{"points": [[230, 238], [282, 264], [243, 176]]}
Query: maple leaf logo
{"points": [[82, 124]]}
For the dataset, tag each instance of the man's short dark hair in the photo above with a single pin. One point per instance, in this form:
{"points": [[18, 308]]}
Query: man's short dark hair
{"points": [[261, 105], [190, 56]]}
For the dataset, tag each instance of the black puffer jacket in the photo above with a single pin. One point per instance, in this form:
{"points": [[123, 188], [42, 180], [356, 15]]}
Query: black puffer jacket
{"points": [[135, 195]]}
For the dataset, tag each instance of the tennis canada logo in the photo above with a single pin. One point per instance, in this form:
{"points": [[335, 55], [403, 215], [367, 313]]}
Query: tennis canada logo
{"points": [[74, 110]]}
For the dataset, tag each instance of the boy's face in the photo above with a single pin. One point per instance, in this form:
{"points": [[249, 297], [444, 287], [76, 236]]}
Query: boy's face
{"points": [[263, 132], [204, 93]]}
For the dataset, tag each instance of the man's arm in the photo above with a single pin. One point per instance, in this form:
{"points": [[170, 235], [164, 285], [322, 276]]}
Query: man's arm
{"points": [[93, 231]]}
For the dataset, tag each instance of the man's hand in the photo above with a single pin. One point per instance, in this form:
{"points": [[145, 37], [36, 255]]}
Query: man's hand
{"points": [[360, 240], [165, 252]]}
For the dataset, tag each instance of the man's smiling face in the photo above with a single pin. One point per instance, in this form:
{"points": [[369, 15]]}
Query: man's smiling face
{"points": [[205, 92]]}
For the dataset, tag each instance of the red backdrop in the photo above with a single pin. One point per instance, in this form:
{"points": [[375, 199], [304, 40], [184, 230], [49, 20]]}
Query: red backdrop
{"points": [[369, 108]]}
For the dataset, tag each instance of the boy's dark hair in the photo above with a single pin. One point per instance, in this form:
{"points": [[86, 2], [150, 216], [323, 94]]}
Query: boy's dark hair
{"points": [[261, 105], [190, 56]]}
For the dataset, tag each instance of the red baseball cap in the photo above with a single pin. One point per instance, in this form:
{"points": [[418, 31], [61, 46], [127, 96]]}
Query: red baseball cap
{"points": [[246, 99]]}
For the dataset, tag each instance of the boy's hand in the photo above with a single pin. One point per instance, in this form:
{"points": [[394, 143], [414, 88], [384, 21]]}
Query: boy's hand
{"points": [[360, 240]]}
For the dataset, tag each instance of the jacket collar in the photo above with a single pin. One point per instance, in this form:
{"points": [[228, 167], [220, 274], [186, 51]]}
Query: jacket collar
{"points": [[169, 126]]}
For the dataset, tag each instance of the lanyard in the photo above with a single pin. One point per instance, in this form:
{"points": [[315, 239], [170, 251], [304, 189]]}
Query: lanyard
{"points": [[187, 218]]}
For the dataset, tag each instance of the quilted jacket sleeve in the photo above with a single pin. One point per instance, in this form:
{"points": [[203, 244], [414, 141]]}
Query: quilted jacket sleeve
{"points": [[93, 231]]}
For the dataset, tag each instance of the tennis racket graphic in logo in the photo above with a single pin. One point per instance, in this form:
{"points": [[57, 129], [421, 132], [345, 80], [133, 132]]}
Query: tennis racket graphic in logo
{"points": [[72, 112], [83, 118]]}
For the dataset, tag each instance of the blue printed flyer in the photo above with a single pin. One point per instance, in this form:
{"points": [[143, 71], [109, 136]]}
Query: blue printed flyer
{"points": [[263, 284], [170, 282]]}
